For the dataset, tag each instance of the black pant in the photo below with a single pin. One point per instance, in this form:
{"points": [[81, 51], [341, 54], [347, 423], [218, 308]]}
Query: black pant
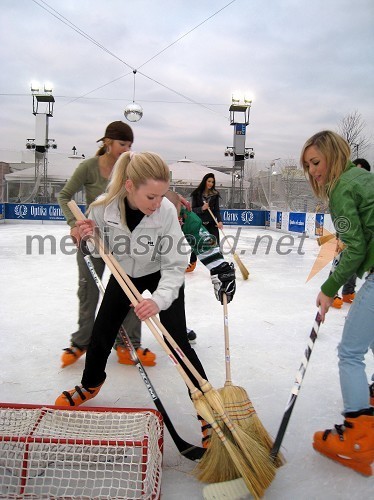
{"points": [[113, 309]]}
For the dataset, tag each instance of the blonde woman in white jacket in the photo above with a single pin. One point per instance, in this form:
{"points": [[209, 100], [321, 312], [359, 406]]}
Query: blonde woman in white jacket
{"points": [[143, 232]]}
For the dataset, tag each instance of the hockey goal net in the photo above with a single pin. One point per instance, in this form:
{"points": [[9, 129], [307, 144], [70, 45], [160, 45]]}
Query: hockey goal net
{"points": [[50, 452]]}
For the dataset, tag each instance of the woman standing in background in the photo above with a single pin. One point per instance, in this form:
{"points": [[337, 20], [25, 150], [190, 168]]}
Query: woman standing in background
{"points": [[205, 197]]}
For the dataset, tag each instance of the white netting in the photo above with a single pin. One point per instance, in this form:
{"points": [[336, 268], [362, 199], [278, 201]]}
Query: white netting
{"points": [[85, 454]]}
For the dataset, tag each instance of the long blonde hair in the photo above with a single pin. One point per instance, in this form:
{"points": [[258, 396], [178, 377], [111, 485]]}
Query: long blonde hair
{"points": [[337, 153], [137, 167]]}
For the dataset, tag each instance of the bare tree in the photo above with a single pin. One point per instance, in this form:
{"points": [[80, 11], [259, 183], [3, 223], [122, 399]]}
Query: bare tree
{"points": [[352, 127]]}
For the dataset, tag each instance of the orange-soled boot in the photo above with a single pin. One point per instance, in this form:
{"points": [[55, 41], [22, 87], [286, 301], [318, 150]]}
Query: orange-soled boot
{"points": [[191, 267], [351, 444], [77, 396], [71, 355], [146, 356], [348, 298], [337, 302]]}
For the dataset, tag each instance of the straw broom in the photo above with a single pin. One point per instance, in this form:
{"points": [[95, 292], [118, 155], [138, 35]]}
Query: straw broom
{"points": [[237, 402], [243, 269], [248, 459], [213, 466]]}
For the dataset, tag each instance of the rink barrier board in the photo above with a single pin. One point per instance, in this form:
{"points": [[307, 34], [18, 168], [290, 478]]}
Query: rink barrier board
{"points": [[311, 224]]}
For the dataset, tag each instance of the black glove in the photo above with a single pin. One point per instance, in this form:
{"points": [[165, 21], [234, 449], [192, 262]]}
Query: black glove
{"points": [[223, 279]]}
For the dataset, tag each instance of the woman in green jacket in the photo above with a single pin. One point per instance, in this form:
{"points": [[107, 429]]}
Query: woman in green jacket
{"points": [[325, 158]]}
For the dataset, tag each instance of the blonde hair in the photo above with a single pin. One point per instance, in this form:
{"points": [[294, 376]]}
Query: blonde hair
{"points": [[137, 167], [337, 153]]}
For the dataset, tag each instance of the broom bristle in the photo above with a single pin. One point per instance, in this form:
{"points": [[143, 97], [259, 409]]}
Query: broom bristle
{"points": [[256, 455], [240, 410], [236, 463], [224, 461], [243, 269], [216, 464]]}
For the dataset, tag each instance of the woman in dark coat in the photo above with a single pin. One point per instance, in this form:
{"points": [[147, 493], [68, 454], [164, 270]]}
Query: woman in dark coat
{"points": [[203, 197]]}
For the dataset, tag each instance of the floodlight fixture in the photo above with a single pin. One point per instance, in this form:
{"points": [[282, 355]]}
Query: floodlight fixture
{"points": [[236, 97], [248, 97], [48, 87], [35, 86]]}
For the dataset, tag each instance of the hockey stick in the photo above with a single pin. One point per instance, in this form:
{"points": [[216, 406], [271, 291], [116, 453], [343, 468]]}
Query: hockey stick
{"points": [[301, 373], [243, 269], [296, 388], [188, 450]]}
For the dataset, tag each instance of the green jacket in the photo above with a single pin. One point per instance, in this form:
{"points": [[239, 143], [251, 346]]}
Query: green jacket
{"points": [[87, 175], [351, 204], [200, 240]]}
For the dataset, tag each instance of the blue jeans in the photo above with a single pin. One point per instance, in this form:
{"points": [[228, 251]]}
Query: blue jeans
{"points": [[357, 338]]}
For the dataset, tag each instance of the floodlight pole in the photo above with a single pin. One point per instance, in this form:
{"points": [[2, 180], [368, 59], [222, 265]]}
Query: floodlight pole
{"points": [[42, 110], [239, 118]]}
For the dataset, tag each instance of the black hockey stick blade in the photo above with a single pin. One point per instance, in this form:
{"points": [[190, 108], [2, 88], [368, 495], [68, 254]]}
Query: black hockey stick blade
{"points": [[190, 451]]}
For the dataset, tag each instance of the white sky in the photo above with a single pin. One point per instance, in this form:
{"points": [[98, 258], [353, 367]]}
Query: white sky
{"points": [[308, 64]]}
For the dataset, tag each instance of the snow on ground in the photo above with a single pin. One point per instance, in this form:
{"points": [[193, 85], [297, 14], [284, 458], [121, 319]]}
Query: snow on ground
{"points": [[270, 321]]}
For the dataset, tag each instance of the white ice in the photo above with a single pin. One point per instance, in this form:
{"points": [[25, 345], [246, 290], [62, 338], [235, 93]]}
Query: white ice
{"points": [[270, 320]]}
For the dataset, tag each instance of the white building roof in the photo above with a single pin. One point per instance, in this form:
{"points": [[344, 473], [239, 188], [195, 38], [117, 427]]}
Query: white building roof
{"points": [[56, 173], [184, 172]]}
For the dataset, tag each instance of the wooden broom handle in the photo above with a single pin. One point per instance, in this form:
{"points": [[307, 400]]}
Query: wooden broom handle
{"points": [[135, 297], [227, 341], [216, 221], [324, 239]]}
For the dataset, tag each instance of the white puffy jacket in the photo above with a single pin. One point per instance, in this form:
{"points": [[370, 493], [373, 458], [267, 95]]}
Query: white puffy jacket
{"points": [[156, 244]]}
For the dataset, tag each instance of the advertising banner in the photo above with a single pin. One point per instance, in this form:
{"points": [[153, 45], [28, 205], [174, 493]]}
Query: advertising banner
{"points": [[243, 217], [310, 224], [296, 222], [35, 211], [285, 219], [267, 218], [2, 212], [320, 219], [273, 219], [279, 220]]}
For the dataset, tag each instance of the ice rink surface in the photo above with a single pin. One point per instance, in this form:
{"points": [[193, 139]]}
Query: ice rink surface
{"points": [[270, 320]]}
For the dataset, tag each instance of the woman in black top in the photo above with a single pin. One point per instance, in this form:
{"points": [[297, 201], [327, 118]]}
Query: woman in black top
{"points": [[203, 197]]}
